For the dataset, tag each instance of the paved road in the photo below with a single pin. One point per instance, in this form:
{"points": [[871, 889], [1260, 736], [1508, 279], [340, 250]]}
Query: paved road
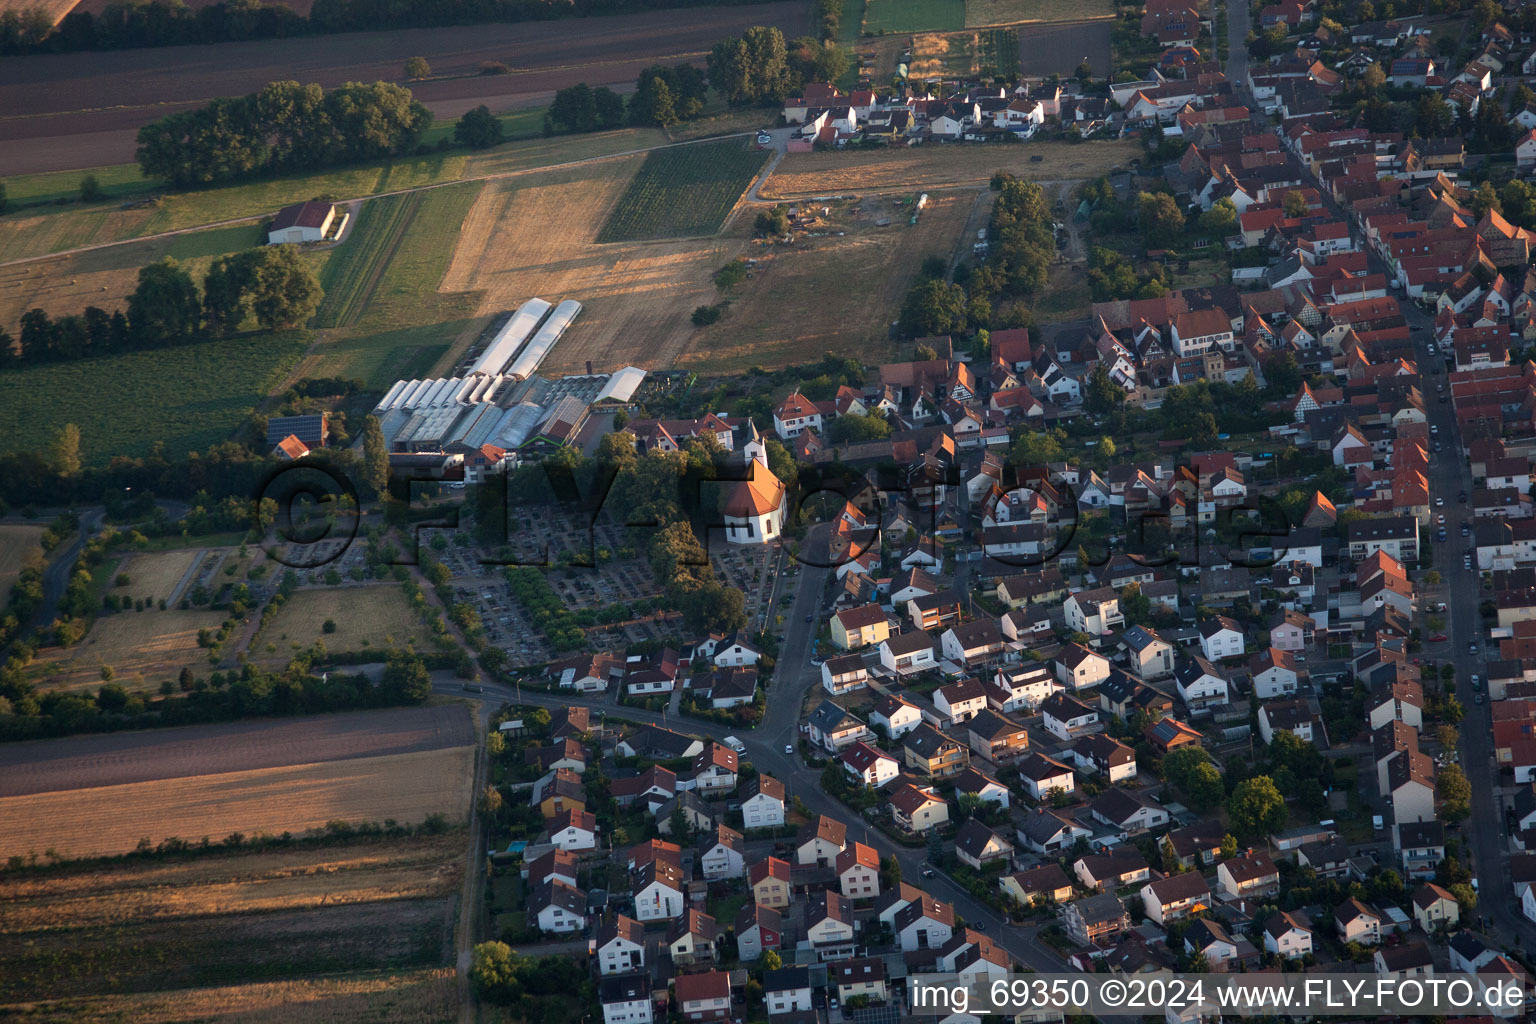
{"points": [[1236, 63]]}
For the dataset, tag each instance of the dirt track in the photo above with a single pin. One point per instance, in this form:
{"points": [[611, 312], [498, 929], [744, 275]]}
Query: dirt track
{"points": [[83, 109], [82, 762]]}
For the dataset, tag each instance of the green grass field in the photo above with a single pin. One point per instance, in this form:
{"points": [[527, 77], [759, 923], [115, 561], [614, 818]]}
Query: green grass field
{"points": [[381, 298], [519, 124], [914, 16], [684, 191], [1008, 12], [116, 181], [188, 398]]}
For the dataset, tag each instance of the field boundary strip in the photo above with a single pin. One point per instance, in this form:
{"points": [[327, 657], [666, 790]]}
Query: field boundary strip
{"points": [[371, 196], [363, 265]]}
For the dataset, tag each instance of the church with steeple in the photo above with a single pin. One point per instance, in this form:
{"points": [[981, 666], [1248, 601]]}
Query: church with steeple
{"points": [[754, 508]]}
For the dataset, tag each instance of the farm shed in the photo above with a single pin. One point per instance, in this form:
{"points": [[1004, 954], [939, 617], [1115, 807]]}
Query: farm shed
{"points": [[301, 222], [528, 360], [621, 387], [508, 341]]}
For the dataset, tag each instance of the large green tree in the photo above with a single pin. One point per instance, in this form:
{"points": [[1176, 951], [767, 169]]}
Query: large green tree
{"points": [[478, 128], [165, 308], [1022, 245], [1256, 808], [933, 307], [282, 287], [375, 466], [1159, 218]]}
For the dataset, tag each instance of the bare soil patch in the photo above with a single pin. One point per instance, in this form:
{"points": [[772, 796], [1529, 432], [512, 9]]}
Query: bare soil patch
{"points": [[534, 235], [803, 175], [793, 310], [114, 819]]}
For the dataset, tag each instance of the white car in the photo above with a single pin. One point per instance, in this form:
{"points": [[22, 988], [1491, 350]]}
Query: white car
{"points": [[1439, 503], [789, 748]]}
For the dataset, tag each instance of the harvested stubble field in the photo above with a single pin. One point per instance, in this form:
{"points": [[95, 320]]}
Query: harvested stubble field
{"points": [[155, 576], [113, 819], [143, 648], [755, 331], [230, 917], [65, 285], [293, 878], [536, 235], [803, 175], [367, 617], [683, 191], [113, 759], [386, 997], [19, 545]]}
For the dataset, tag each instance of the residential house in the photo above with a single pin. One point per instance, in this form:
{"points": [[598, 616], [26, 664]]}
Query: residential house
{"points": [[1042, 777], [977, 845], [1113, 869], [758, 929], [930, 752], [895, 715], [820, 841], [620, 946], [1355, 922], [1221, 637], [1126, 812], [1102, 755], [722, 855], [762, 802], [769, 882], [1175, 897], [626, 999], [1249, 876], [917, 808], [1435, 908], [1068, 719], [1044, 884], [996, 738], [864, 626], [703, 997], [858, 872], [1095, 921], [693, 939], [1288, 934], [872, 766]]}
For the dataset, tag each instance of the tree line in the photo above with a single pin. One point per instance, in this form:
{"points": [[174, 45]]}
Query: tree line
{"points": [[284, 128], [134, 23], [1022, 248], [755, 68], [247, 692], [273, 285]]}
